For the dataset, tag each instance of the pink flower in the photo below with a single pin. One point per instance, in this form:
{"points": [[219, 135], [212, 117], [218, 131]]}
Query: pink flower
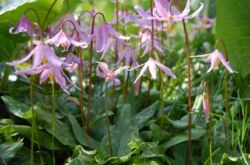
{"points": [[61, 39], [146, 42], [48, 71], [151, 65], [203, 22], [24, 26], [73, 62], [41, 52], [103, 34], [206, 105], [215, 58], [128, 54], [161, 14], [109, 75]]}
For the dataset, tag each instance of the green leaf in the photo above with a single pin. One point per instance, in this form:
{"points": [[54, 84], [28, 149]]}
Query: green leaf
{"points": [[233, 26], [141, 118], [43, 138], [15, 107], [62, 130], [196, 134], [85, 140], [9, 150]]}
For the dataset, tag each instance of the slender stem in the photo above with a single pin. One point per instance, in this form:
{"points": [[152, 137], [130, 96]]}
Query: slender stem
{"points": [[48, 13], [36, 14], [53, 119], [189, 94], [189, 151], [107, 120], [91, 66], [116, 45], [33, 124], [225, 82]]}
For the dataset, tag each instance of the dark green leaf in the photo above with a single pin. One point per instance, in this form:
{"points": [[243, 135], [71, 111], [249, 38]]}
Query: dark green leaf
{"points": [[9, 150]]}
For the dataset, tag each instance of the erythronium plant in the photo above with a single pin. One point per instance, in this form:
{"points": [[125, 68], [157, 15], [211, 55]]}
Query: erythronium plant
{"points": [[24, 26], [215, 58]]}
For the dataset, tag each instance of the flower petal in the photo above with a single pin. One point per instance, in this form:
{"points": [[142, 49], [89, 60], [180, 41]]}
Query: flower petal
{"points": [[165, 69]]}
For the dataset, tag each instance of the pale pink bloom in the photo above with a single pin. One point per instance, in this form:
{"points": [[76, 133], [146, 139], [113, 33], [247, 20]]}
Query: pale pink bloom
{"points": [[206, 105], [103, 34], [41, 52], [204, 22], [24, 26], [109, 75], [151, 65], [73, 62], [164, 14], [215, 58], [128, 55], [61, 39], [146, 42], [48, 71]]}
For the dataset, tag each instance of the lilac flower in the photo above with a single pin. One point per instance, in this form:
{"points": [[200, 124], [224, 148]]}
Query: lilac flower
{"points": [[206, 105], [48, 71], [41, 52], [128, 54], [151, 65], [61, 39], [73, 62], [109, 75], [24, 26], [204, 22], [102, 35], [215, 58], [146, 42], [161, 14]]}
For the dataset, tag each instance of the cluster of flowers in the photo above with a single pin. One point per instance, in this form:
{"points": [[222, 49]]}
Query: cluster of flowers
{"points": [[50, 66]]}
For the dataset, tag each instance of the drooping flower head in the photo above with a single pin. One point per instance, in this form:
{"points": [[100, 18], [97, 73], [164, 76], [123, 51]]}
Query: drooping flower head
{"points": [[48, 71], [24, 26], [128, 55], [104, 35], [109, 75], [41, 53], [164, 14], [61, 39], [215, 58], [73, 62], [151, 65]]}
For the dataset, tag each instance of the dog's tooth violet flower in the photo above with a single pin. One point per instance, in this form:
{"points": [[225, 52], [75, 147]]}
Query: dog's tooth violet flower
{"points": [[61, 39], [41, 52], [109, 75], [48, 71], [151, 65], [215, 58], [128, 55], [24, 26], [161, 13]]}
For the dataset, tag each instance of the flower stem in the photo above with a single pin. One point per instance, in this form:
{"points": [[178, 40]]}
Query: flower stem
{"points": [[33, 124], [107, 120], [189, 151], [48, 13], [91, 66], [225, 83], [53, 119]]}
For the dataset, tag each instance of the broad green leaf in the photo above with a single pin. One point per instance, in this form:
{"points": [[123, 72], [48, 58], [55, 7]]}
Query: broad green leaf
{"points": [[44, 138], [142, 117], [62, 130], [233, 26], [15, 107], [179, 138], [9, 150], [80, 136]]}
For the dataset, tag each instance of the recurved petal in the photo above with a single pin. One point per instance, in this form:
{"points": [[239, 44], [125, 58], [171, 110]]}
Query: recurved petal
{"points": [[152, 68], [165, 69], [143, 70], [116, 82], [225, 63]]}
